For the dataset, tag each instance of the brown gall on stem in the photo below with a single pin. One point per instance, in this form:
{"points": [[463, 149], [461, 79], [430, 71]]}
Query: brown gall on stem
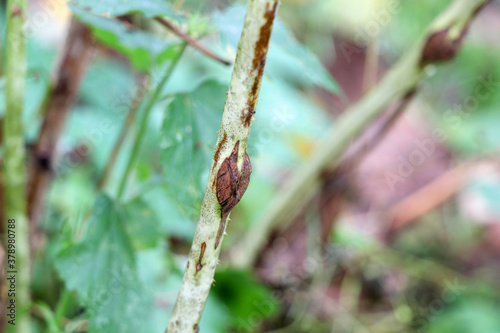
{"points": [[440, 47], [199, 265], [258, 63], [232, 183]]}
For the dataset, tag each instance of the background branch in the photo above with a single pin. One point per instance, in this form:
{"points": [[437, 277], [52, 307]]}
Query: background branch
{"points": [[127, 125], [440, 42], [144, 121], [61, 97]]}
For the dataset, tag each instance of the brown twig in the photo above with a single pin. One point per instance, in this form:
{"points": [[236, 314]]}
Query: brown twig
{"points": [[381, 132], [191, 41], [427, 198], [61, 97], [336, 180], [434, 193]]}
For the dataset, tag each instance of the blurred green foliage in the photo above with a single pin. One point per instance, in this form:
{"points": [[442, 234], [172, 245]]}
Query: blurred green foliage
{"points": [[114, 258]]}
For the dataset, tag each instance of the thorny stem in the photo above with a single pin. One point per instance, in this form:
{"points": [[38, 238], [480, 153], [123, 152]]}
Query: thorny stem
{"points": [[230, 170], [440, 42], [144, 121], [14, 169]]}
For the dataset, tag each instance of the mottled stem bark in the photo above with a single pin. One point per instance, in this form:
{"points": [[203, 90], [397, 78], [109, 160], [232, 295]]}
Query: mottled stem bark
{"points": [[440, 42], [230, 171], [61, 97], [14, 168]]}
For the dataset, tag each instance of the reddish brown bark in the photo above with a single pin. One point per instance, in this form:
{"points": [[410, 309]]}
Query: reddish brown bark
{"points": [[62, 95]]}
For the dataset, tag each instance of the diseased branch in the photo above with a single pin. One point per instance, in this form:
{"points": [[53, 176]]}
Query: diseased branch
{"points": [[14, 169], [230, 171], [62, 95], [191, 41], [440, 42]]}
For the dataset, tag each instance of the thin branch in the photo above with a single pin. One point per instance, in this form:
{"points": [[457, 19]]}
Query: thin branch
{"points": [[14, 169], [371, 64], [434, 193], [440, 42], [142, 127], [427, 198], [127, 125], [336, 181], [230, 171], [380, 133], [191, 41], [62, 95]]}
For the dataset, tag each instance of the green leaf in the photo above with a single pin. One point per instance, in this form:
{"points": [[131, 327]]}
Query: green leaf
{"points": [[162, 203], [150, 8], [142, 224], [102, 270], [287, 59], [189, 135], [249, 302], [142, 48], [472, 314]]}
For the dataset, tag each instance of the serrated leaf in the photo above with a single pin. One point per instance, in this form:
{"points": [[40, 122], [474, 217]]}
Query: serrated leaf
{"points": [[142, 48], [189, 135], [102, 270], [287, 59], [150, 8]]}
